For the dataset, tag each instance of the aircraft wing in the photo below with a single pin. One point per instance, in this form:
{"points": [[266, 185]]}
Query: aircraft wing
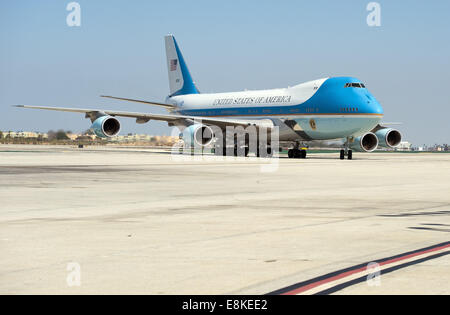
{"points": [[171, 118], [168, 106], [383, 125]]}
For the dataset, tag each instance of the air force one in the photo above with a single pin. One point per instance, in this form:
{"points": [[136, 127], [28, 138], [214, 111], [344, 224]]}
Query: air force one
{"points": [[324, 109]]}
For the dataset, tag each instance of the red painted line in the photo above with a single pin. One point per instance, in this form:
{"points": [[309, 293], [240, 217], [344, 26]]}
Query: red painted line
{"points": [[316, 284], [351, 272], [414, 254]]}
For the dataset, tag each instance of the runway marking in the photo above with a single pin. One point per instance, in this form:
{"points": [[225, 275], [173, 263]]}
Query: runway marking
{"points": [[341, 279]]}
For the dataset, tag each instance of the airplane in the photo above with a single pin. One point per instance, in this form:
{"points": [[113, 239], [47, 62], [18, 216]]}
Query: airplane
{"points": [[324, 109]]}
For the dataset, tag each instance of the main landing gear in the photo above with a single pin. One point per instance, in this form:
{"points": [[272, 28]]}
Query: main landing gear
{"points": [[346, 152], [297, 152], [242, 149], [349, 154]]}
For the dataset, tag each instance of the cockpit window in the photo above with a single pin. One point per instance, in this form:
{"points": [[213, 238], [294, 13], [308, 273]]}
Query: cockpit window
{"points": [[354, 85]]}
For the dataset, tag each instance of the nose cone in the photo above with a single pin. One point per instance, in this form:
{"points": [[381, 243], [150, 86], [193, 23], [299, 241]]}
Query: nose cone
{"points": [[346, 95], [372, 106], [351, 91]]}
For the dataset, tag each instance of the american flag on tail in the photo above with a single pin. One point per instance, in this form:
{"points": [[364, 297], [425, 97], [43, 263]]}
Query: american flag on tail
{"points": [[173, 64]]}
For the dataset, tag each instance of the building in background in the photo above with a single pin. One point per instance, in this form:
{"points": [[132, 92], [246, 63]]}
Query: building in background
{"points": [[404, 146], [24, 134]]}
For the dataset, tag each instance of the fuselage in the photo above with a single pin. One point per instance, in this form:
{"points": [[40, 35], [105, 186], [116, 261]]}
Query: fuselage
{"points": [[322, 109]]}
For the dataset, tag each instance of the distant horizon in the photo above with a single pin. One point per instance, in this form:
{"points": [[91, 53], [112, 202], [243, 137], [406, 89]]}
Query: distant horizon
{"points": [[164, 135]]}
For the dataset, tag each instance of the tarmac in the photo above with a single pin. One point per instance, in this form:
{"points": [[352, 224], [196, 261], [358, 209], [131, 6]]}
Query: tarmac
{"points": [[115, 220]]}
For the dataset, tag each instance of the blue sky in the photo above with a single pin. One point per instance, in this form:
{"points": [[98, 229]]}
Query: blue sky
{"points": [[228, 45]]}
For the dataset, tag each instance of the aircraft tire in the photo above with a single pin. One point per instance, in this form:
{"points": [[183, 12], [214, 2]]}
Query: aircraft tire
{"points": [[303, 154], [291, 153]]}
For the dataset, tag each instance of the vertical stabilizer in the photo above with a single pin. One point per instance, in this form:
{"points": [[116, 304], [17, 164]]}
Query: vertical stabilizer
{"points": [[180, 80]]}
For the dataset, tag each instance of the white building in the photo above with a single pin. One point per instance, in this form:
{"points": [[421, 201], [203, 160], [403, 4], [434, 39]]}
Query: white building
{"points": [[404, 146], [24, 134]]}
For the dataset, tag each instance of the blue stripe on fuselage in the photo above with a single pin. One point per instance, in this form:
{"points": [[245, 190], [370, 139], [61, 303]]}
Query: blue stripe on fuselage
{"points": [[331, 98]]}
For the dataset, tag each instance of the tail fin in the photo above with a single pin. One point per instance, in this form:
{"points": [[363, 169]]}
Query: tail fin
{"points": [[180, 79]]}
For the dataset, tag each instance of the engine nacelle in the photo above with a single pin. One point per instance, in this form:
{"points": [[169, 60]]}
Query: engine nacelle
{"points": [[388, 137], [197, 135], [365, 143], [106, 126]]}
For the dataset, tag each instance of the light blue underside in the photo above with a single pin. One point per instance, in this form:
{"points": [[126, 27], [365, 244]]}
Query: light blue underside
{"points": [[337, 127]]}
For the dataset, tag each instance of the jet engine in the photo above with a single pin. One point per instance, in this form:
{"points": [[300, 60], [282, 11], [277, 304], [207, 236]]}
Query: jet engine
{"points": [[365, 143], [197, 135], [106, 126], [388, 137]]}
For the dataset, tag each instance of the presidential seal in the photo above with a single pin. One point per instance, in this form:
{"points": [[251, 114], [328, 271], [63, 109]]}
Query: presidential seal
{"points": [[312, 123]]}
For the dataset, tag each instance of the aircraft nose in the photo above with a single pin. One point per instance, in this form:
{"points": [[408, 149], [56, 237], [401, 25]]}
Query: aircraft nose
{"points": [[377, 108], [372, 105]]}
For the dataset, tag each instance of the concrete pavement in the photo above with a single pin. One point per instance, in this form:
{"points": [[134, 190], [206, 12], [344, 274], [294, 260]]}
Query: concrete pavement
{"points": [[139, 221]]}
